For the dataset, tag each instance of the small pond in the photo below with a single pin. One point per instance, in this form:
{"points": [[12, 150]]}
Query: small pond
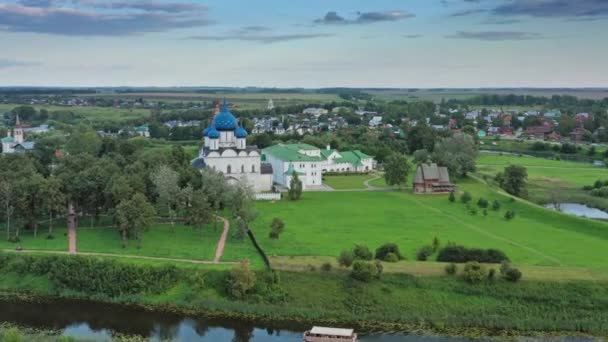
{"points": [[580, 210]]}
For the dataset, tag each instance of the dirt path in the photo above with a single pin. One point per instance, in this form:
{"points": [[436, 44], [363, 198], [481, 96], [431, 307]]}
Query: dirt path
{"points": [[72, 230], [222, 243]]}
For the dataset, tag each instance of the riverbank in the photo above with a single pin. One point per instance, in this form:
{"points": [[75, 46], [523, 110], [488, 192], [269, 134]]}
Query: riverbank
{"points": [[398, 302]]}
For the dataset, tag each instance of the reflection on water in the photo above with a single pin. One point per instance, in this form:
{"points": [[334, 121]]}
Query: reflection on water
{"points": [[580, 210], [98, 322]]}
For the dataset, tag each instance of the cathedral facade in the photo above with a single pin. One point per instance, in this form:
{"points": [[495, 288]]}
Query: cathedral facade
{"points": [[225, 150]]}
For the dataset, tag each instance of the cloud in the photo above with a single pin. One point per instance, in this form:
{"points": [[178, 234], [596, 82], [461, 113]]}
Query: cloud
{"points": [[11, 63], [412, 36], [92, 18], [468, 12], [496, 21], [333, 18], [495, 35], [553, 8], [266, 38]]}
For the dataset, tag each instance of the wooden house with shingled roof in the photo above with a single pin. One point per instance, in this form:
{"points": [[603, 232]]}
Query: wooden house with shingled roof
{"points": [[432, 179]]}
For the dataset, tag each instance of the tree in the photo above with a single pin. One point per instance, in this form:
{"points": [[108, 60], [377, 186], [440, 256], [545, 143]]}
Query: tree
{"points": [[83, 140], [199, 211], [496, 205], [365, 271], [474, 272], [421, 156], [346, 258], [452, 198], [241, 280], [6, 199], [134, 215], [466, 197], [362, 252], [513, 180], [458, 153], [420, 137], [54, 201], [295, 187], [276, 228], [217, 191], [242, 202], [396, 169], [165, 181]]}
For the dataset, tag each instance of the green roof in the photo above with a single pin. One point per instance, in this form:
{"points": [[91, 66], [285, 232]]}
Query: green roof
{"points": [[290, 152], [8, 139]]}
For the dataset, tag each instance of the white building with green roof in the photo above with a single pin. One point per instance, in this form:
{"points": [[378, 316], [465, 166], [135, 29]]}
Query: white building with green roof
{"points": [[310, 162]]}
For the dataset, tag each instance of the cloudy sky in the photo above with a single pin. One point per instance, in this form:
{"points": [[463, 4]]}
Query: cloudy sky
{"points": [[305, 43]]}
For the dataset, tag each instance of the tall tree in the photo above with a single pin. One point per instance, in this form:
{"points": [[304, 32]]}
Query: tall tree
{"points": [[513, 180], [166, 182], [134, 216], [200, 212], [396, 169], [216, 190], [6, 200], [54, 201], [243, 209], [295, 187], [458, 153]]}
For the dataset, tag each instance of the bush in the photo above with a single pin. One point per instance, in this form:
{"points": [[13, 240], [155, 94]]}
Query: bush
{"points": [[491, 274], [326, 267], [452, 198], [513, 275], [391, 257], [473, 211], [461, 254], [450, 269], [346, 258], [424, 253], [474, 272], [240, 281], [509, 215], [466, 197], [365, 271], [362, 252], [382, 251], [495, 205], [485, 212], [482, 203]]}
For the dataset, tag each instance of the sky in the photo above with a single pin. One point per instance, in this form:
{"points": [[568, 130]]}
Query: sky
{"points": [[305, 43]]}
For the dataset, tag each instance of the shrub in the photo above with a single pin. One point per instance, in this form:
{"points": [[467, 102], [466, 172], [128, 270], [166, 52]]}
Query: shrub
{"points": [[495, 205], [450, 269], [452, 198], [509, 215], [11, 335], [466, 197], [241, 280], [436, 244], [424, 253], [474, 272], [326, 267], [485, 212], [482, 203], [491, 274], [364, 271], [513, 275], [362, 252], [379, 267], [346, 258], [276, 228], [387, 248], [473, 211], [391, 257], [461, 254]]}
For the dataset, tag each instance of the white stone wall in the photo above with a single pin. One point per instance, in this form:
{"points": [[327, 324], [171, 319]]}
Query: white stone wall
{"points": [[240, 165]]}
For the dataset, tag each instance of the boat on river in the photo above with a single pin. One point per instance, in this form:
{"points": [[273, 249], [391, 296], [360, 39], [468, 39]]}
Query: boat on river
{"points": [[323, 334]]}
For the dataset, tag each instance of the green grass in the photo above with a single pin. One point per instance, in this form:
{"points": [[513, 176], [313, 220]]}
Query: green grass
{"points": [[92, 114], [28, 241], [323, 224], [347, 181]]}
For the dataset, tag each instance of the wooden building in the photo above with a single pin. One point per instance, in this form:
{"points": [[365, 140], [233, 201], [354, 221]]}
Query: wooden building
{"points": [[432, 179]]}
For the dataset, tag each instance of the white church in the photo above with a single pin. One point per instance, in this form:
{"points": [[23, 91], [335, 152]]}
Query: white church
{"points": [[225, 149], [15, 143]]}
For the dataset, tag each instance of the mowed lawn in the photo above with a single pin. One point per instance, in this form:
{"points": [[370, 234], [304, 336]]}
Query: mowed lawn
{"points": [[323, 224], [347, 181]]}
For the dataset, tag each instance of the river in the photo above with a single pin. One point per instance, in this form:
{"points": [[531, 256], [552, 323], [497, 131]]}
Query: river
{"points": [[580, 210], [98, 322]]}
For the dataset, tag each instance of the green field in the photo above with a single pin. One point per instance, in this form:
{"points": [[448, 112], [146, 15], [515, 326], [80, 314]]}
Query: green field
{"points": [[91, 114], [347, 181], [323, 224]]}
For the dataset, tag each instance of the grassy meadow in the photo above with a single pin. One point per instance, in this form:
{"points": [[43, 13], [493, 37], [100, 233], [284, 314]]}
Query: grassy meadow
{"points": [[91, 114], [323, 224]]}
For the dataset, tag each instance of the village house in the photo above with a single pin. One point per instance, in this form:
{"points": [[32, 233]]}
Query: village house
{"points": [[432, 179]]}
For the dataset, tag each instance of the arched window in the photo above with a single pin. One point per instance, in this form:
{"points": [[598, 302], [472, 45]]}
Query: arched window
{"points": [[242, 168], [228, 169], [252, 168]]}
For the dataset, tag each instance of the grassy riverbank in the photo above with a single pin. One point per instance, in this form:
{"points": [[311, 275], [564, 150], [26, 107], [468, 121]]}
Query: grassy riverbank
{"points": [[397, 301]]}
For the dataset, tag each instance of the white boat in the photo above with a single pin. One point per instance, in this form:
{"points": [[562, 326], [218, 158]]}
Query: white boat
{"points": [[323, 334]]}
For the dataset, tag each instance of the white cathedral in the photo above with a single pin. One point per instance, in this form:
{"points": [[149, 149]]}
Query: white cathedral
{"points": [[225, 149], [15, 143]]}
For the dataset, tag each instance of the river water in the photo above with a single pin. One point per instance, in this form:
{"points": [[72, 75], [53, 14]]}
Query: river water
{"points": [[98, 322]]}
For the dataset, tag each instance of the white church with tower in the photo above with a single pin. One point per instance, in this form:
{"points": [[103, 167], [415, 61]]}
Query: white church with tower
{"points": [[225, 149], [14, 142]]}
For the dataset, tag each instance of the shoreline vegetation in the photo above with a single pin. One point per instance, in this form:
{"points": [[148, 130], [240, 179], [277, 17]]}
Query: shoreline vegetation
{"points": [[397, 302]]}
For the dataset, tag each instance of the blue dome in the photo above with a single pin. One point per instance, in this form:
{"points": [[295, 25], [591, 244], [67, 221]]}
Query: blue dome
{"points": [[225, 121], [213, 133], [206, 130], [241, 132]]}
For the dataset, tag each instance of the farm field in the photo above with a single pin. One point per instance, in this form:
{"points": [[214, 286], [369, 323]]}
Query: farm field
{"points": [[92, 114], [437, 95], [323, 224]]}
